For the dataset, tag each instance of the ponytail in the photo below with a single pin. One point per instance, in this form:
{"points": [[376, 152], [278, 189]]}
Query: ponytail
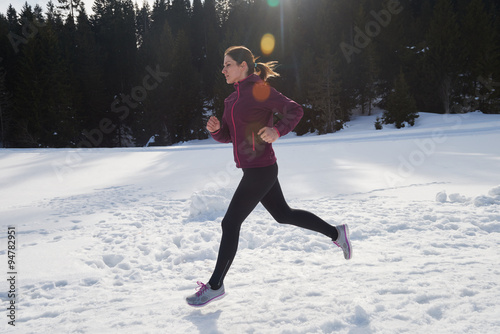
{"points": [[266, 70], [263, 70]]}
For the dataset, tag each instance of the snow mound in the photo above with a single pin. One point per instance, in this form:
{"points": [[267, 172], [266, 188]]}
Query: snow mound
{"points": [[495, 192], [210, 204], [484, 201], [481, 200], [457, 198], [493, 199], [441, 197]]}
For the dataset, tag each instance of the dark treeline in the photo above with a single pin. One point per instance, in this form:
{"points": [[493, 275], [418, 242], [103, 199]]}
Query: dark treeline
{"points": [[127, 72]]}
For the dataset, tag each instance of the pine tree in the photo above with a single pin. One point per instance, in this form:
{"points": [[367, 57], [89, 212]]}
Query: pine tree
{"points": [[325, 85], [11, 42], [44, 111], [5, 114], [114, 26], [210, 44], [143, 22], [478, 51], [495, 95], [9, 25], [90, 98], [324, 95], [158, 49], [401, 107], [38, 13], [366, 69], [196, 34], [223, 9], [442, 57], [394, 45], [13, 20], [178, 15], [69, 6], [185, 119], [325, 88]]}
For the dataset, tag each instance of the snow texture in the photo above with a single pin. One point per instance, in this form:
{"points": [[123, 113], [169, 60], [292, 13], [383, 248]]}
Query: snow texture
{"points": [[112, 240]]}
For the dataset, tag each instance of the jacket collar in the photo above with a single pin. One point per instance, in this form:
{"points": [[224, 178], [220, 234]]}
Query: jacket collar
{"points": [[251, 79]]}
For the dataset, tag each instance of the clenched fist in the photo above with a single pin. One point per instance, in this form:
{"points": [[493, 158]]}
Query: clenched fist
{"points": [[213, 124], [269, 135]]}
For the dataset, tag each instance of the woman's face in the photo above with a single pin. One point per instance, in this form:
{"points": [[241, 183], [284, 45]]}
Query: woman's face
{"points": [[232, 71]]}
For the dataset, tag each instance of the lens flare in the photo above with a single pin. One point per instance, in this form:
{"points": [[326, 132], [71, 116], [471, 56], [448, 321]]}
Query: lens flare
{"points": [[267, 44], [273, 3], [261, 92]]}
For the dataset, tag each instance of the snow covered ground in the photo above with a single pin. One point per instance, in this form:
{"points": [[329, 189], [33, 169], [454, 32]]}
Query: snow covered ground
{"points": [[112, 240]]}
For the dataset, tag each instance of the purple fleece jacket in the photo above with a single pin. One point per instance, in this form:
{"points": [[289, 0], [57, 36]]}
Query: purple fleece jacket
{"points": [[247, 110]]}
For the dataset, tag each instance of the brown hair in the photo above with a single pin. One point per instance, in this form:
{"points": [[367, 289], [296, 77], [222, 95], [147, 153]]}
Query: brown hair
{"points": [[242, 54]]}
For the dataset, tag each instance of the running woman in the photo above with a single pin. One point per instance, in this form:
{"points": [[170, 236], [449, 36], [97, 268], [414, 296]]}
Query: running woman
{"points": [[247, 123]]}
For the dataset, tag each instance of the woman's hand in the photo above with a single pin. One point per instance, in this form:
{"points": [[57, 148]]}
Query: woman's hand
{"points": [[213, 124], [269, 135]]}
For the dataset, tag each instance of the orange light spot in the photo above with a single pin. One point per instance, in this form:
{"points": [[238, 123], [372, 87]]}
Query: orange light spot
{"points": [[261, 92]]}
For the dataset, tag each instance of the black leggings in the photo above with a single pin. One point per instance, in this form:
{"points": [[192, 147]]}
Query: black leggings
{"points": [[259, 185]]}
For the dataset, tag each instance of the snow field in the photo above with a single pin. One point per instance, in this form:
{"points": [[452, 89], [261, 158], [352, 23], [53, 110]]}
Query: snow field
{"points": [[117, 241]]}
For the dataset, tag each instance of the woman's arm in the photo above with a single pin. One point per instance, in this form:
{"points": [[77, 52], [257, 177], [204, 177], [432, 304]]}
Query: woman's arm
{"points": [[291, 110], [219, 132]]}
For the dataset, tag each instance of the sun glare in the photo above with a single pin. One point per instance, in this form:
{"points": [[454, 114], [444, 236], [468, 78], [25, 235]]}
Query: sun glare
{"points": [[267, 44]]}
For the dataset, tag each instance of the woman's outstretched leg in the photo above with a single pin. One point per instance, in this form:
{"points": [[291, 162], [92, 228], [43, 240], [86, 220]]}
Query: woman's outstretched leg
{"points": [[254, 185]]}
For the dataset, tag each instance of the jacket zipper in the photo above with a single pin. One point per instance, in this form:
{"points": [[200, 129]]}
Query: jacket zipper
{"points": [[253, 141], [234, 125]]}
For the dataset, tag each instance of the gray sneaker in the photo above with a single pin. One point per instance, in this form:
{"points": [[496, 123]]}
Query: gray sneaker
{"points": [[343, 241], [205, 295]]}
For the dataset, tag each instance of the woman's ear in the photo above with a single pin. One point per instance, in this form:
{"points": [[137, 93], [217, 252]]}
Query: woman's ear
{"points": [[245, 65]]}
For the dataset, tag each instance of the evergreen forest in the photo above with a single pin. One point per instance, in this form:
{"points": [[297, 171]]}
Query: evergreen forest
{"points": [[126, 74]]}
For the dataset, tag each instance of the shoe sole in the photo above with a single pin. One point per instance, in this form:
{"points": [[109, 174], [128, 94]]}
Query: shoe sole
{"points": [[209, 301], [348, 242]]}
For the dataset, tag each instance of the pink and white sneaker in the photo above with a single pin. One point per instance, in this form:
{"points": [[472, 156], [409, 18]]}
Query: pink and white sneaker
{"points": [[205, 295], [343, 241]]}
